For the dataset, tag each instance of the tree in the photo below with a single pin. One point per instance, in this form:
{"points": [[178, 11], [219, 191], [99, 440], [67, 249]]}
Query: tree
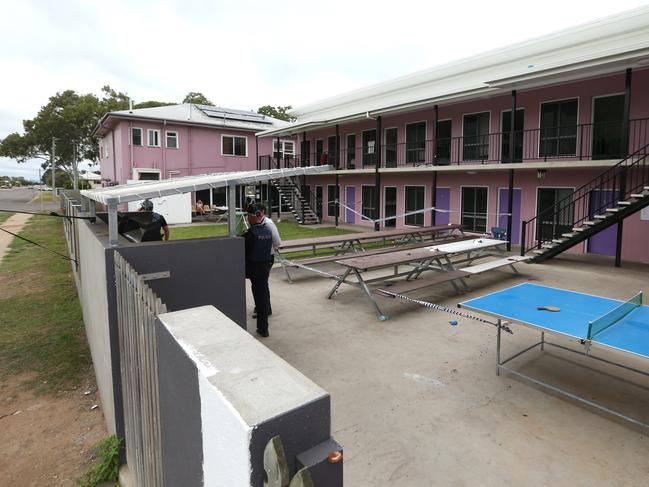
{"points": [[277, 112], [197, 98]]}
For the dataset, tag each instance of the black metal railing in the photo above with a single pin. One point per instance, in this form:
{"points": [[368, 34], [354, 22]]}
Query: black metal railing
{"points": [[617, 183], [591, 141]]}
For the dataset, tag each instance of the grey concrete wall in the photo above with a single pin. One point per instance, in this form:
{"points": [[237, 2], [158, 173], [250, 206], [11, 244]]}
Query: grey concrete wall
{"points": [[180, 413], [247, 395], [93, 294], [203, 272]]}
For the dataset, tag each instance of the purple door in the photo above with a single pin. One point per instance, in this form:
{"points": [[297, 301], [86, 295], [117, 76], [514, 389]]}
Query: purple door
{"points": [[503, 201], [604, 242], [442, 202], [350, 201]]}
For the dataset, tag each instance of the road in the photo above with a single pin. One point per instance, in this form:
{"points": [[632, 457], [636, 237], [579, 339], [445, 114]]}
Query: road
{"points": [[19, 198]]}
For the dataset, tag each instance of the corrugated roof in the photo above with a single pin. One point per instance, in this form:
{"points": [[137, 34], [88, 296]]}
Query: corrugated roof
{"points": [[156, 189], [593, 49], [199, 114]]}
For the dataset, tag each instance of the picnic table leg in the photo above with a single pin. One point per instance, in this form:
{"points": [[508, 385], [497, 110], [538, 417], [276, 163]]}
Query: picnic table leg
{"points": [[367, 291], [542, 340], [340, 280], [281, 261], [514, 269]]}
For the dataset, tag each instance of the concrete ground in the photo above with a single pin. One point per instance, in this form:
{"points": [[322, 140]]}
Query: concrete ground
{"points": [[416, 401]]}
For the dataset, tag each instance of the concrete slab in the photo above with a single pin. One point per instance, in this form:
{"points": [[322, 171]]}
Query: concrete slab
{"points": [[416, 401]]}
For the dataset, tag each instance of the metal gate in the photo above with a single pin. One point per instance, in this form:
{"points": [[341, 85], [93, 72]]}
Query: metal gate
{"points": [[137, 308]]}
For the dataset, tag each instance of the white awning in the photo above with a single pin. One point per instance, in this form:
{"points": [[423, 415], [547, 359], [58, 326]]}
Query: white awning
{"points": [[155, 189]]}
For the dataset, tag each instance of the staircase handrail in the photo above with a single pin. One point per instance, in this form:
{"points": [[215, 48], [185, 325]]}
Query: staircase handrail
{"points": [[614, 174]]}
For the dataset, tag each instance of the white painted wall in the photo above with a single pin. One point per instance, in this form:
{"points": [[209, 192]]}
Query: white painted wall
{"points": [[176, 208]]}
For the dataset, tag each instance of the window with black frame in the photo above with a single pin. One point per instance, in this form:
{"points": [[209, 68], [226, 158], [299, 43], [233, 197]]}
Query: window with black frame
{"points": [[558, 136], [331, 200], [414, 202], [474, 209], [416, 143], [369, 203], [369, 147], [443, 143], [391, 147], [475, 143]]}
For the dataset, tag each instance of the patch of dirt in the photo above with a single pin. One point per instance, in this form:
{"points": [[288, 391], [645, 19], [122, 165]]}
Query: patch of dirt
{"points": [[27, 281], [47, 439]]}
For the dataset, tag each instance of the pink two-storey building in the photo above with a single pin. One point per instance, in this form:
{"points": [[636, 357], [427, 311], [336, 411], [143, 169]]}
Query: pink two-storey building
{"points": [[555, 128], [182, 140]]}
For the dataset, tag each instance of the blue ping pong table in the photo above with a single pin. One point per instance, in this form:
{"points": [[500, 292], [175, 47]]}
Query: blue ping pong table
{"points": [[592, 320]]}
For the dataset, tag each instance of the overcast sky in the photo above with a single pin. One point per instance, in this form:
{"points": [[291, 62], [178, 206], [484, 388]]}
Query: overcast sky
{"points": [[244, 54]]}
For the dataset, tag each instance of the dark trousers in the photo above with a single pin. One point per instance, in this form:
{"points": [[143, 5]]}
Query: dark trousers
{"points": [[270, 306], [258, 274]]}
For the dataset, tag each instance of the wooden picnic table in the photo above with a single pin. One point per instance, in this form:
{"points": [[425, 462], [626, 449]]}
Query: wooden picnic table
{"points": [[353, 242], [433, 257], [352, 239]]}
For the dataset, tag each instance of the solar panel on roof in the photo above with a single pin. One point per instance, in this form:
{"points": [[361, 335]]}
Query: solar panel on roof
{"points": [[215, 112]]}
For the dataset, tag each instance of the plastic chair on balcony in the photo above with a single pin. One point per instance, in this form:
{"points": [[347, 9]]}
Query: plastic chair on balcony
{"points": [[499, 233]]}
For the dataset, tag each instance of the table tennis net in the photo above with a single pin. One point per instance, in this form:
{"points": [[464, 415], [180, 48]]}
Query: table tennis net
{"points": [[603, 322]]}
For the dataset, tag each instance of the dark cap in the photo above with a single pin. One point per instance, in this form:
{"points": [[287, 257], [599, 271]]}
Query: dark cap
{"points": [[147, 205], [254, 210]]}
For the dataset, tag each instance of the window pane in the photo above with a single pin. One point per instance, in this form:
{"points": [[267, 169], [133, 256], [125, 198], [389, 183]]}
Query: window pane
{"points": [[172, 140], [239, 146], [369, 149], [137, 136], [416, 143], [368, 200], [414, 202], [228, 146], [351, 151], [289, 148], [331, 201], [474, 209], [476, 136]]}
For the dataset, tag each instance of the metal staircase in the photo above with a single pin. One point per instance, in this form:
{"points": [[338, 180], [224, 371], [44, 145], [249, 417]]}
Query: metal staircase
{"points": [[291, 196], [618, 192], [299, 199]]}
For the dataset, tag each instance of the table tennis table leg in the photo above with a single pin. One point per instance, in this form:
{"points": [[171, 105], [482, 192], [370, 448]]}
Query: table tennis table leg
{"points": [[367, 291], [341, 279], [498, 348]]}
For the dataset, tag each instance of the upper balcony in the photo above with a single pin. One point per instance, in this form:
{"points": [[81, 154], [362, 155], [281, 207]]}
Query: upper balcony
{"points": [[581, 142]]}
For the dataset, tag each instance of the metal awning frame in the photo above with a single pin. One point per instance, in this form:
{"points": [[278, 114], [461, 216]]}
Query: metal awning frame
{"points": [[116, 195]]}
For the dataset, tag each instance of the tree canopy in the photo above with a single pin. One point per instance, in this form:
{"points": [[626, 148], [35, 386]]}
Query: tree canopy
{"points": [[197, 98], [278, 112]]}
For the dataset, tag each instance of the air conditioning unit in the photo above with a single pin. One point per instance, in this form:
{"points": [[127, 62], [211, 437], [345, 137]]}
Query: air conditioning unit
{"points": [[146, 174]]}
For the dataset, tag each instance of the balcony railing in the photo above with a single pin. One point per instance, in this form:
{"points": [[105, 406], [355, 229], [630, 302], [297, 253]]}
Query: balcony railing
{"points": [[592, 141]]}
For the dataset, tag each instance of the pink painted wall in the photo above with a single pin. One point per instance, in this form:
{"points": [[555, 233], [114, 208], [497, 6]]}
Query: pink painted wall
{"points": [[198, 152], [636, 231]]}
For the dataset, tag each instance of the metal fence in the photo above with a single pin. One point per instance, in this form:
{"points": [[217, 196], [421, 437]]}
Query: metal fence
{"points": [[137, 308]]}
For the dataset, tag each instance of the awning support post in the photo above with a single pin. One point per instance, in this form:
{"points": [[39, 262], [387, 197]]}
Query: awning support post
{"points": [[113, 235], [232, 210]]}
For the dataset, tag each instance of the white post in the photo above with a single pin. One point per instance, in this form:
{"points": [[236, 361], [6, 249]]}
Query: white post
{"points": [[232, 210], [113, 237], [40, 178], [53, 164]]}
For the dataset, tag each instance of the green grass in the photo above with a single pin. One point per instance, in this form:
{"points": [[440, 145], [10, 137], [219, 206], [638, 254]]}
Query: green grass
{"points": [[107, 467], [288, 230], [42, 326], [4, 216]]}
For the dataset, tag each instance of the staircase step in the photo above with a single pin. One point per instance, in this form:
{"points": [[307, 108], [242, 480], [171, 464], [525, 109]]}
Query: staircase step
{"points": [[579, 229], [559, 240], [612, 210], [569, 235], [639, 195], [623, 203], [589, 223], [601, 217], [548, 245], [539, 251]]}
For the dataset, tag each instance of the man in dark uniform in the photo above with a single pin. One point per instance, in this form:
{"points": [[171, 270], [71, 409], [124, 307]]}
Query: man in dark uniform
{"points": [[259, 244], [158, 222]]}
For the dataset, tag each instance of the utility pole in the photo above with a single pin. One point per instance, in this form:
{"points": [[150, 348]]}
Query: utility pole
{"points": [[74, 167], [40, 179], [53, 164]]}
